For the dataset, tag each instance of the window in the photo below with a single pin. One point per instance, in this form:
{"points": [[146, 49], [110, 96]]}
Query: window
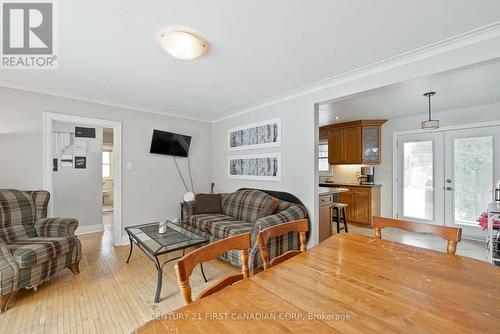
{"points": [[323, 164], [106, 164]]}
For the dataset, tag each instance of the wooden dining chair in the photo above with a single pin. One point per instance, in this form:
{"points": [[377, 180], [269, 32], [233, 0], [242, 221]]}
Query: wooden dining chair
{"points": [[299, 226], [452, 234], [187, 263]]}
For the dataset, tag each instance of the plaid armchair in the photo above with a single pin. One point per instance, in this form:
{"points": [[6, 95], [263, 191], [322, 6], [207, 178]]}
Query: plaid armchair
{"points": [[33, 248], [246, 210]]}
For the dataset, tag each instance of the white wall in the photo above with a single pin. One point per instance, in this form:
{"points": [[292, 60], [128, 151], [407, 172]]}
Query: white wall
{"points": [[384, 172], [77, 192], [151, 191], [300, 121], [298, 163]]}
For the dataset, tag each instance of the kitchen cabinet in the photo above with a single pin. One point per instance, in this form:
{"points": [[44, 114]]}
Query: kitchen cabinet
{"points": [[363, 203], [325, 216], [357, 142], [352, 144], [327, 196], [335, 147], [323, 135]]}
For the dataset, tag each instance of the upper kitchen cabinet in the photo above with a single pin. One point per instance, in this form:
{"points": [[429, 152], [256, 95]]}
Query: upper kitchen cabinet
{"points": [[354, 143], [323, 135]]}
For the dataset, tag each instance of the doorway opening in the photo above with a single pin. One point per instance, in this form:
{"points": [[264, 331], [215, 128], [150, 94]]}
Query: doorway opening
{"points": [[107, 178], [82, 171], [446, 177]]}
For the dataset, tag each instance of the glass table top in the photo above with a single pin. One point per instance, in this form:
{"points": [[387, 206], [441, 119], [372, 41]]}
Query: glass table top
{"points": [[156, 243]]}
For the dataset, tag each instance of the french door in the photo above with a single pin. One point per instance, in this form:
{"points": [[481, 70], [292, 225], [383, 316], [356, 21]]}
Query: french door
{"points": [[420, 178], [448, 177]]}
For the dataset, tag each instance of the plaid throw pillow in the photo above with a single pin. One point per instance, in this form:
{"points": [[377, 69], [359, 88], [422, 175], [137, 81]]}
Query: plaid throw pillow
{"points": [[248, 205], [207, 203], [268, 208]]}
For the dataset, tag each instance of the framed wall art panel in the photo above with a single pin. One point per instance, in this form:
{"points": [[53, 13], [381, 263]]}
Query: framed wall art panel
{"points": [[256, 135], [264, 167]]}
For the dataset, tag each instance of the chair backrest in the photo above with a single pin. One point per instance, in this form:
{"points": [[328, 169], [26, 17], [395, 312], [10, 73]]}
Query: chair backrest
{"points": [[186, 264], [298, 226], [17, 215], [41, 199], [452, 234]]}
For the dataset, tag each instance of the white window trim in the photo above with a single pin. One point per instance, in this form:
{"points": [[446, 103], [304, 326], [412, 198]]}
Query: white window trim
{"points": [[323, 172]]}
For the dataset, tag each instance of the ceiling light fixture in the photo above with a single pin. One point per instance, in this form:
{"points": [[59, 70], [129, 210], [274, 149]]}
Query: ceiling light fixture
{"points": [[430, 124], [183, 45], [337, 117]]}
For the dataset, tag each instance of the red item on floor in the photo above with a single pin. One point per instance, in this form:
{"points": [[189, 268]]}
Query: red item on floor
{"points": [[483, 221]]}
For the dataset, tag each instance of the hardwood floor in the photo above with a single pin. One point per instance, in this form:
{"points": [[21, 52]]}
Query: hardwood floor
{"points": [[108, 296], [468, 248]]}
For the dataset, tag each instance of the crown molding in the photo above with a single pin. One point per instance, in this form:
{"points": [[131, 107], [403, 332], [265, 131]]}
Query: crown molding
{"points": [[471, 37], [17, 86]]}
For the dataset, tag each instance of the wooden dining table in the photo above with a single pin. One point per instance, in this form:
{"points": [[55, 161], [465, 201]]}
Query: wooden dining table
{"points": [[354, 284]]}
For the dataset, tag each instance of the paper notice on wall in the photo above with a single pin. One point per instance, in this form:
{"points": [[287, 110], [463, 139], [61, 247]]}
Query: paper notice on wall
{"points": [[80, 148], [60, 141], [67, 160]]}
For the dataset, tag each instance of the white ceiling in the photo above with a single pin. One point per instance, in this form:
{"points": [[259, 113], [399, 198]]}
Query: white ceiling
{"points": [[108, 50], [470, 86]]}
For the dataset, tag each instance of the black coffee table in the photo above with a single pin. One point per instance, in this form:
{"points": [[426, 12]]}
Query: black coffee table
{"points": [[154, 244]]}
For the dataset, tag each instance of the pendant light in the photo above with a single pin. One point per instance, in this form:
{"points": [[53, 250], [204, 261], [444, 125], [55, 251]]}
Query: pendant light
{"points": [[430, 124]]}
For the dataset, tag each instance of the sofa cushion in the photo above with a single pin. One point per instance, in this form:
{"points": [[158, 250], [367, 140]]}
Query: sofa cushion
{"points": [[203, 222], [29, 252], [248, 205], [229, 228], [17, 214], [208, 203]]}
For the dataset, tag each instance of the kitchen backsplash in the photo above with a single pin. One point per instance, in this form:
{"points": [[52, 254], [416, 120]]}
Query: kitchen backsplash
{"points": [[343, 173]]}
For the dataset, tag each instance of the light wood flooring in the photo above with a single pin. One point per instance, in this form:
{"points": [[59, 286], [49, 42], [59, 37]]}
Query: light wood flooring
{"points": [[468, 248], [110, 296]]}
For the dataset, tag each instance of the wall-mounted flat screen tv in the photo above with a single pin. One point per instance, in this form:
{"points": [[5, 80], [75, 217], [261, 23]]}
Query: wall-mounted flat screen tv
{"points": [[168, 143]]}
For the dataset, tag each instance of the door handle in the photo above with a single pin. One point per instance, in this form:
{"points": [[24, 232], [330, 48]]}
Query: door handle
{"points": [[448, 188]]}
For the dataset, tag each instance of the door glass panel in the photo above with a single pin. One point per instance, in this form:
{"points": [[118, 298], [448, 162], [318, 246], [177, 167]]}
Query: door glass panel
{"points": [[418, 180], [370, 144], [473, 177]]}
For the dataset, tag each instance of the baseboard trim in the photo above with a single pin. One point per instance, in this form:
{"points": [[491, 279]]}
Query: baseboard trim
{"points": [[125, 240], [473, 238], [89, 229]]}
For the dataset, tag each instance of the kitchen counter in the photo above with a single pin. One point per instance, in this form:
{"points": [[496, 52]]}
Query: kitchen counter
{"points": [[331, 191], [337, 184]]}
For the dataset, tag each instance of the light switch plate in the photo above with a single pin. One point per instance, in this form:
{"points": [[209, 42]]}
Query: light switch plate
{"points": [[130, 166]]}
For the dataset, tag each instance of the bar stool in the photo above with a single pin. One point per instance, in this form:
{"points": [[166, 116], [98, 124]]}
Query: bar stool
{"points": [[337, 207]]}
